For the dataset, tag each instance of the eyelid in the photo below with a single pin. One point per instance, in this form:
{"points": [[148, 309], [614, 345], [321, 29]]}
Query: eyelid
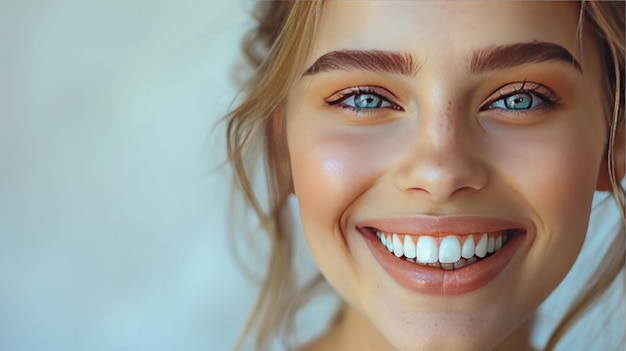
{"points": [[549, 97], [343, 94]]}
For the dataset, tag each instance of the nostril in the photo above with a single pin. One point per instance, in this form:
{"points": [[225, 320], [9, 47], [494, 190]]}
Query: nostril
{"points": [[441, 193], [440, 174], [439, 186]]}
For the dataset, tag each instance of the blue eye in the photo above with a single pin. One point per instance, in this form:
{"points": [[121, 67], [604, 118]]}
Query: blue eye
{"points": [[366, 101], [363, 99], [518, 101], [522, 97]]}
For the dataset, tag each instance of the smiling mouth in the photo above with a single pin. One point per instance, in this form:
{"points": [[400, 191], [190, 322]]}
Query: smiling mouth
{"points": [[448, 252]]}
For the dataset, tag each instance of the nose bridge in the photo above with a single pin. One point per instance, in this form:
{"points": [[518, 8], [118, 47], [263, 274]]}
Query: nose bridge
{"points": [[442, 160], [439, 129]]}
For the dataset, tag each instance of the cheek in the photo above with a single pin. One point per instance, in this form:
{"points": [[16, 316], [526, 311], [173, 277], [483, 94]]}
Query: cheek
{"points": [[326, 176], [553, 174], [552, 168], [554, 177], [330, 170]]}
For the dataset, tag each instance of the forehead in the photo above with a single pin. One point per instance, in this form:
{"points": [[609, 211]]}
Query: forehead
{"points": [[439, 31]]}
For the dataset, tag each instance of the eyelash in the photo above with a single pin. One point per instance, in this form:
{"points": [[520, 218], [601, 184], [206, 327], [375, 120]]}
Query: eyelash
{"points": [[339, 99], [536, 90]]}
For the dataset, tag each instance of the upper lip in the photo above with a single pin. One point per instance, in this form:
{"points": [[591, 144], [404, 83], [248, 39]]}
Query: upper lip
{"points": [[442, 225]]}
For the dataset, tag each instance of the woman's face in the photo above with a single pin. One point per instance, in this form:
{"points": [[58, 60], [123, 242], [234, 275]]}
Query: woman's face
{"points": [[444, 156]]}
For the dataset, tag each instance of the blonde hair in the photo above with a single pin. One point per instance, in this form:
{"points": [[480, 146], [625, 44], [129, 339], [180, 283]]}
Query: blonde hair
{"points": [[276, 49]]}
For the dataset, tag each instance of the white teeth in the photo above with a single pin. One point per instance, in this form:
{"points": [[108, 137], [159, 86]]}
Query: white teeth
{"points": [[449, 249], [468, 247], [398, 247], [481, 247], [448, 254], [426, 249], [409, 247]]}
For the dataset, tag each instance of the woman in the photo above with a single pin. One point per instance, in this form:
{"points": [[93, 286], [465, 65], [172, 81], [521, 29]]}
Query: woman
{"points": [[444, 156]]}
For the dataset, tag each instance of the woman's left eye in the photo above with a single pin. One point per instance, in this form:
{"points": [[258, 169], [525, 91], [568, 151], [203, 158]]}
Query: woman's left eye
{"points": [[362, 99], [518, 101], [522, 97]]}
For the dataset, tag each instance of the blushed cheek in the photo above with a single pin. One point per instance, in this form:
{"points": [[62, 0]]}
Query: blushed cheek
{"points": [[563, 194], [570, 177], [332, 170], [555, 174], [569, 198]]}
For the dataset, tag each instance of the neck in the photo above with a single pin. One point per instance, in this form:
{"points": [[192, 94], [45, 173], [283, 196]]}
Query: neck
{"points": [[351, 331], [519, 339]]}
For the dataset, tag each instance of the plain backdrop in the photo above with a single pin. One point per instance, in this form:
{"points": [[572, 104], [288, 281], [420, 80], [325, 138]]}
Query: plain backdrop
{"points": [[113, 210]]}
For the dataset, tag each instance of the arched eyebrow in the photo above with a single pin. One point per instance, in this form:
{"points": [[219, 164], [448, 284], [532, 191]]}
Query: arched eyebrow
{"points": [[482, 60], [508, 56], [368, 60]]}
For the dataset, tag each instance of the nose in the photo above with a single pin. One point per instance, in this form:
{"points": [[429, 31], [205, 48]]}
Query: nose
{"points": [[443, 160]]}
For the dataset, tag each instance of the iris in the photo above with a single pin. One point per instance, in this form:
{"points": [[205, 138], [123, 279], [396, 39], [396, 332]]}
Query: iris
{"points": [[520, 101], [367, 101]]}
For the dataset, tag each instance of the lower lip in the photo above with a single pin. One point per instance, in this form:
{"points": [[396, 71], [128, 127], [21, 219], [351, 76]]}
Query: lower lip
{"points": [[436, 281]]}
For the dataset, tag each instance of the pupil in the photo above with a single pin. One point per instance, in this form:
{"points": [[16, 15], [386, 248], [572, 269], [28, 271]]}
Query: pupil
{"points": [[519, 101], [367, 101]]}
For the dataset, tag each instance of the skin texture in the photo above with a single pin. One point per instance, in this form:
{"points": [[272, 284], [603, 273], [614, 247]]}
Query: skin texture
{"points": [[446, 149]]}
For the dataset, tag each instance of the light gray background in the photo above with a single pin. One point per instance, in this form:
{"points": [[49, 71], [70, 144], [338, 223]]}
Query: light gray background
{"points": [[113, 230]]}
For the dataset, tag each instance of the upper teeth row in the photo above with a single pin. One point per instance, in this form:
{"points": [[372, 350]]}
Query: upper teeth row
{"points": [[449, 249]]}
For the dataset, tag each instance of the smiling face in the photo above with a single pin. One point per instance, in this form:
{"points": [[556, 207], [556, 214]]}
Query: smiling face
{"points": [[444, 156]]}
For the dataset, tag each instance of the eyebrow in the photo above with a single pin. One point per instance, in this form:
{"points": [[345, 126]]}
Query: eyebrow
{"points": [[507, 56], [483, 60], [368, 60]]}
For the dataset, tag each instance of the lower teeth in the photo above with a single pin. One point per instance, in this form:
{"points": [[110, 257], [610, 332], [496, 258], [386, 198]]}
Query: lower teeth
{"points": [[448, 266]]}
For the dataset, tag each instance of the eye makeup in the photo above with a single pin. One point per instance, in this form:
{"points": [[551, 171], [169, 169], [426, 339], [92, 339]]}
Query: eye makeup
{"points": [[522, 98], [364, 99]]}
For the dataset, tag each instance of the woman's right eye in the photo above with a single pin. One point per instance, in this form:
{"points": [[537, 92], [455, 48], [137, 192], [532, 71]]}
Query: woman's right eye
{"points": [[362, 99]]}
